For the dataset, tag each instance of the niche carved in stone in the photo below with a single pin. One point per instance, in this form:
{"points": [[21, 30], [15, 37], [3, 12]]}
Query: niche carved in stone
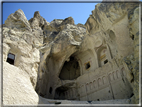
{"points": [[70, 70]]}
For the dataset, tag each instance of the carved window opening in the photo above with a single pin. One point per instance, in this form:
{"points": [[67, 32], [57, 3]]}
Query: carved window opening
{"points": [[132, 37], [87, 66], [50, 90], [11, 58], [102, 56], [105, 61]]}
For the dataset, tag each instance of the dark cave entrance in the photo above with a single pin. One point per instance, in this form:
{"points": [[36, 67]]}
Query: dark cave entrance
{"points": [[10, 58], [70, 70], [66, 93], [60, 93]]}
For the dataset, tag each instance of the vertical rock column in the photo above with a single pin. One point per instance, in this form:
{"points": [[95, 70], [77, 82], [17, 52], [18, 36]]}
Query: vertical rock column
{"points": [[134, 23]]}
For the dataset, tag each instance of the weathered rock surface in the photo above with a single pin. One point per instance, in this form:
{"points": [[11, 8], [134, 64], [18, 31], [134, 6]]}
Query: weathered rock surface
{"points": [[133, 60], [114, 16], [17, 88], [18, 20], [99, 55], [95, 63], [20, 39], [23, 44], [59, 47]]}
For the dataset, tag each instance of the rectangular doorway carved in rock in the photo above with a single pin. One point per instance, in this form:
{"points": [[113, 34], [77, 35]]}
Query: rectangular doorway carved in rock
{"points": [[10, 58]]}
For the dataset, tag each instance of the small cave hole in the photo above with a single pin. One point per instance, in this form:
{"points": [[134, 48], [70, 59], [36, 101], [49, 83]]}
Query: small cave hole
{"points": [[50, 90], [42, 54], [132, 78], [41, 94], [60, 93], [10, 58], [132, 37], [131, 95], [105, 61], [57, 102], [42, 27], [44, 33], [98, 99], [54, 33], [87, 65]]}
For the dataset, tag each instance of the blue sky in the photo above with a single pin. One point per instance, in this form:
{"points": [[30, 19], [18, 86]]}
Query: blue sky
{"points": [[50, 11]]}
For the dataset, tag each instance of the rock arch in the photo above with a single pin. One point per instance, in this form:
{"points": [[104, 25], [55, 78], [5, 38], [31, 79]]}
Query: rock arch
{"points": [[70, 69], [102, 55], [104, 80]]}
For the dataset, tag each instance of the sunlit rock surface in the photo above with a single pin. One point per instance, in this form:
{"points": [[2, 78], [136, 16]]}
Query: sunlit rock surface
{"points": [[63, 63]]}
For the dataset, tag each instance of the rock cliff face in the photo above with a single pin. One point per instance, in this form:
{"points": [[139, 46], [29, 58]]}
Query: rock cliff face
{"points": [[20, 40], [122, 19], [98, 61]]}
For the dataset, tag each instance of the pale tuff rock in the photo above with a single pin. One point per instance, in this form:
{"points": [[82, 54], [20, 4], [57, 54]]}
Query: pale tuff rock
{"points": [[115, 17], [133, 60], [63, 44], [75, 68], [17, 88], [50, 31], [37, 21], [18, 21], [95, 63], [107, 14], [23, 44]]}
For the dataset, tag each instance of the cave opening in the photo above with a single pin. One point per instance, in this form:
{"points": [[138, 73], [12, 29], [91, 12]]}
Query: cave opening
{"points": [[50, 90], [87, 65], [10, 58], [105, 61], [132, 37], [60, 93], [70, 69]]}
